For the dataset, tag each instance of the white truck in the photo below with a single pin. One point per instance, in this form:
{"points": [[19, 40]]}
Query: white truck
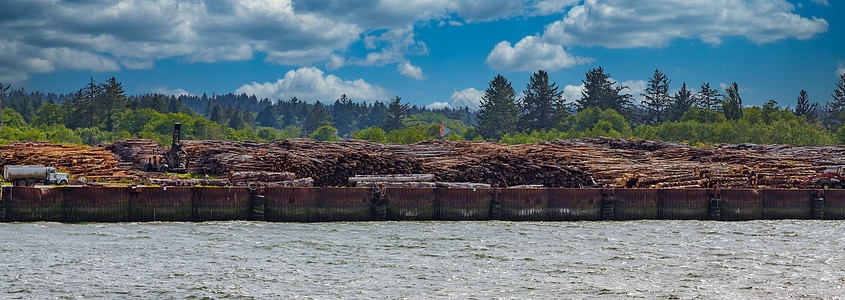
{"points": [[32, 175]]}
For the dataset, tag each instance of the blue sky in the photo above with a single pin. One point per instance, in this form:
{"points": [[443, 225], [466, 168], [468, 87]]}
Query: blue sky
{"points": [[425, 51]]}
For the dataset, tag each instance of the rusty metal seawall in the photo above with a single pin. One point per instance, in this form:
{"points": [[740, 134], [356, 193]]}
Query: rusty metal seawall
{"points": [[297, 204]]}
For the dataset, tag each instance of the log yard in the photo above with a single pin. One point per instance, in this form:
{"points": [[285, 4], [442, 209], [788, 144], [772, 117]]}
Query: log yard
{"points": [[573, 163]]}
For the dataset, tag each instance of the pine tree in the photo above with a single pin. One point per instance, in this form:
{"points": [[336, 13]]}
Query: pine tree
{"points": [[835, 109], [542, 106], [803, 107], [236, 120], [216, 114], [707, 98], [318, 117], [3, 91], [499, 112], [657, 98], [681, 102], [110, 102], [268, 117], [732, 103], [394, 117], [602, 92]]}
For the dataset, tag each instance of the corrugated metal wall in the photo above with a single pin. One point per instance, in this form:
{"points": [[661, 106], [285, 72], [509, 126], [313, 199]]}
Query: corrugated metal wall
{"points": [[297, 204]]}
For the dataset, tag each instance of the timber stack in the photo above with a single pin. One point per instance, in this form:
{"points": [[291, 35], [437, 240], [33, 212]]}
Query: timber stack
{"points": [[572, 163]]}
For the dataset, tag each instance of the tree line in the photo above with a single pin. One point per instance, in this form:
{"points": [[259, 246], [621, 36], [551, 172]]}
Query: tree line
{"points": [[100, 112], [606, 109]]}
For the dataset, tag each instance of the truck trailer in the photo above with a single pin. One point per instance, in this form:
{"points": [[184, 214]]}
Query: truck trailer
{"points": [[34, 174]]}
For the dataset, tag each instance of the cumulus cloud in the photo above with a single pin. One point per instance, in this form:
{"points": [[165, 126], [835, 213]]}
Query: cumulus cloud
{"points": [[166, 91], [629, 24], [840, 68], [548, 7], [571, 93], [438, 105], [636, 88], [412, 71], [46, 36], [532, 54], [311, 84], [466, 98]]}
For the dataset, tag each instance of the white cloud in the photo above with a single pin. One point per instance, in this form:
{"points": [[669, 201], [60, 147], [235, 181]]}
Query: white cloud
{"points": [[409, 70], [466, 98], [312, 84], [531, 54], [629, 24], [571, 93], [48, 36], [635, 88], [822, 2], [840, 68], [165, 91], [437, 105], [548, 7]]}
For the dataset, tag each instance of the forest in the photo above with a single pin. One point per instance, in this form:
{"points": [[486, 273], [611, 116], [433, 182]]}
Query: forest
{"points": [[103, 112]]}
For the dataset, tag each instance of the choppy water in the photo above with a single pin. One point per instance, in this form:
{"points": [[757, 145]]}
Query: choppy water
{"points": [[648, 259]]}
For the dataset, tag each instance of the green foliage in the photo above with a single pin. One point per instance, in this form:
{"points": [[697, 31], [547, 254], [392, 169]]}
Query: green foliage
{"points": [[397, 113], [317, 117], [50, 114], [12, 119], [268, 134], [408, 136], [602, 92], [702, 116], [758, 125], [456, 127], [325, 133], [803, 107], [542, 106], [292, 132], [732, 103], [373, 133], [657, 100], [589, 118]]}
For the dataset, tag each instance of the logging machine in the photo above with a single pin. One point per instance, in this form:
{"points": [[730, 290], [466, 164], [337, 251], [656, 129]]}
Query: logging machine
{"points": [[831, 177], [172, 160]]}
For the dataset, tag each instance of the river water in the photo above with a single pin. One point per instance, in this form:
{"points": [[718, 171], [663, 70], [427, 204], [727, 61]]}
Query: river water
{"points": [[640, 259]]}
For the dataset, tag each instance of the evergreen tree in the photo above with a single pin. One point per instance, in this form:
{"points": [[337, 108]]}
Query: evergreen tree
{"points": [[803, 107], [732, 103], [657, 99], [3, 91], [602, 92], [835, 109], [395, 115], [499, 112], [110, 102], [216, 114], [268, 117], [707, 98], [542, 106], [318, 117], [236, 120], [681, 102], [80, 108]]}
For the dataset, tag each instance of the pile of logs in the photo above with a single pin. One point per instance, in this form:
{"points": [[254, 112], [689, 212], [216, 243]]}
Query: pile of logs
{"points": [[588, 162], [131, 152], [94, 163]]}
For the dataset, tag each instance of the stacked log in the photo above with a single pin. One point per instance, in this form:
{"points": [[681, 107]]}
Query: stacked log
{"points": [[188, 182], [590, 162], [134, 151], [94, 163]]}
